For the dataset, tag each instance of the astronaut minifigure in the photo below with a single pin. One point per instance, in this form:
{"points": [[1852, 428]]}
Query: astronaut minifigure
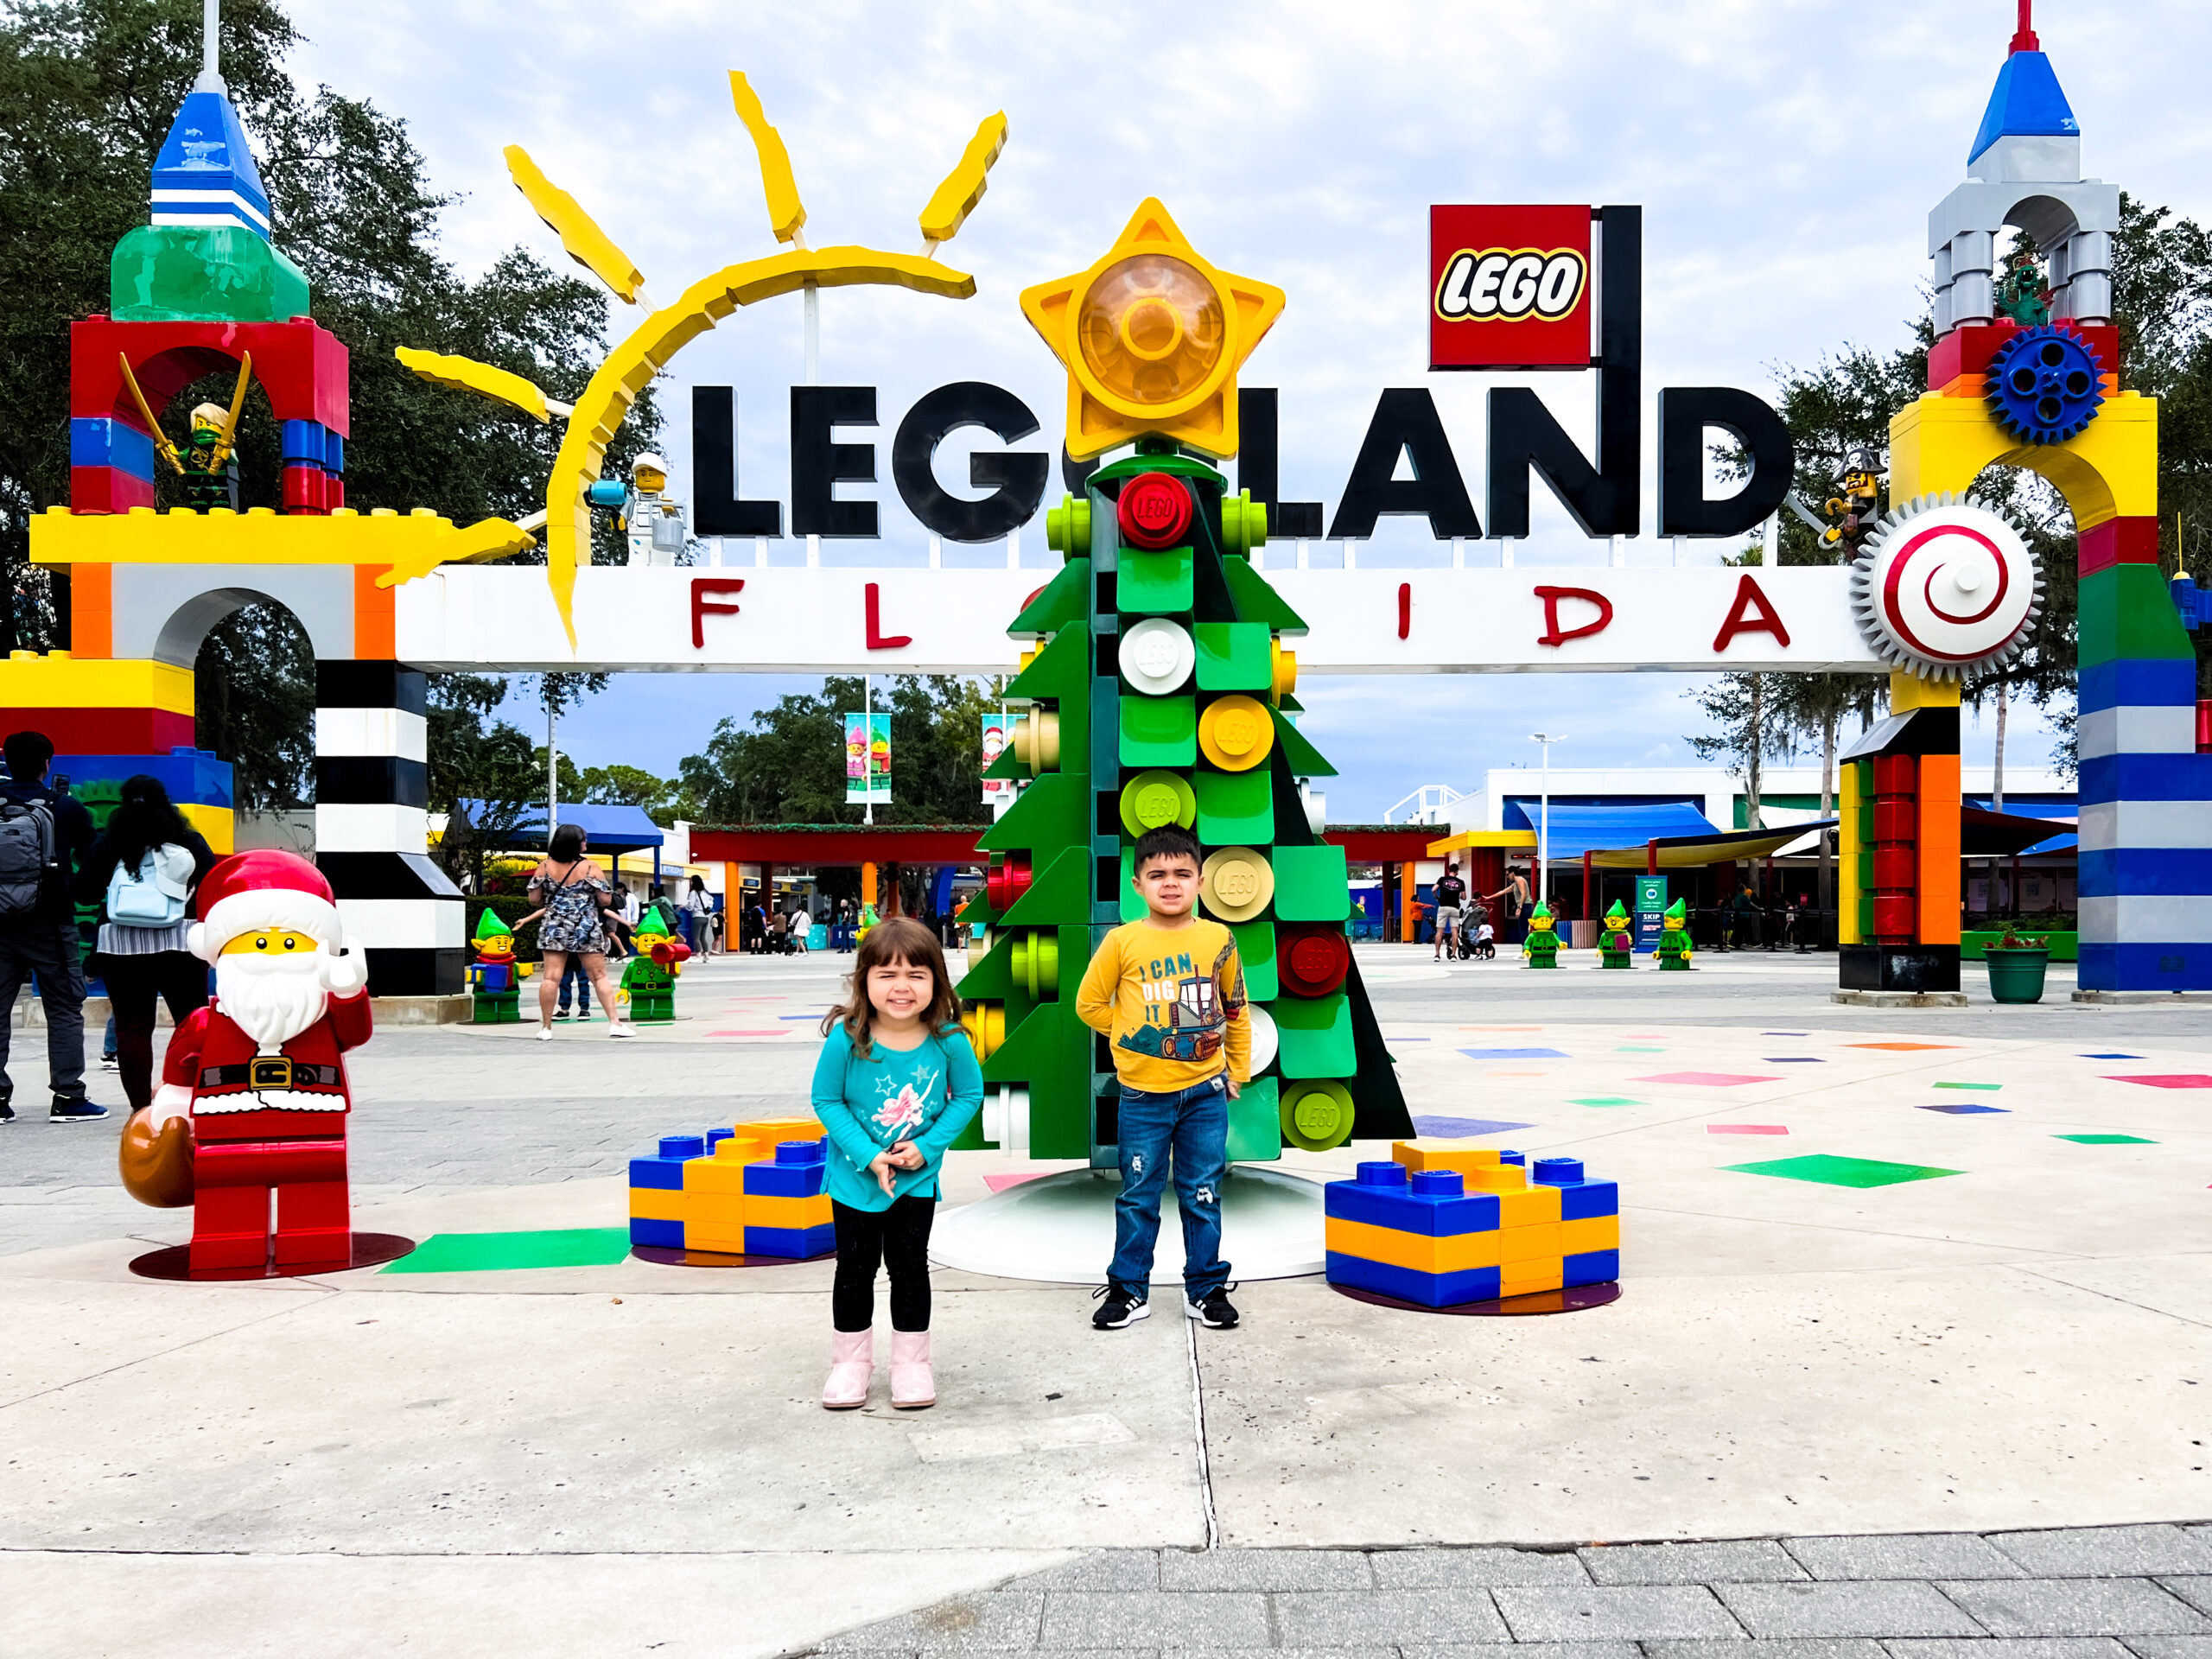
{"points": [[653, 523], [1860, 503]]}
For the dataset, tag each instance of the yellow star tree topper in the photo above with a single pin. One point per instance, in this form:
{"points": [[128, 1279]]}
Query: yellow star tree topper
{"points": [[1152, 337]]}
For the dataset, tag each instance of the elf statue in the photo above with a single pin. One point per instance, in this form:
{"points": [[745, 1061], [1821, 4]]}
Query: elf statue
{"points": [[1541, 946], [1617, 945], [649, 979], [1675, 939], [494, 974]]}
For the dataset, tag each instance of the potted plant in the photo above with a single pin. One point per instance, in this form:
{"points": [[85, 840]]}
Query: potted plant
{"points": [[2017, 964]]}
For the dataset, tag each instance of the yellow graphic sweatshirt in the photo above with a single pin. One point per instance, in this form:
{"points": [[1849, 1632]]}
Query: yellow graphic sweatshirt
{"points": [[1172, 999]]}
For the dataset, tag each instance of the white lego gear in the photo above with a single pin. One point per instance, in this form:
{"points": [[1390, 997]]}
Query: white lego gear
{"points": [[1946, 587]]}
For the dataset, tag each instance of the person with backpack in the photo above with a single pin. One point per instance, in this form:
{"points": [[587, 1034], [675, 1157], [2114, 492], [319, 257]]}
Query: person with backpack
{"points": [[143, 871], [42, 835]]}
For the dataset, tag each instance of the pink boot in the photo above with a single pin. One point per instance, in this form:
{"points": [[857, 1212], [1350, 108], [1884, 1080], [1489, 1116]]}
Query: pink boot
{"points": [[912, 1387], [852, 1360]]}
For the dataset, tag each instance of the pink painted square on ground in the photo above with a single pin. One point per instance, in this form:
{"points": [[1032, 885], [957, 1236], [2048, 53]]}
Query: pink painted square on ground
{"points": [[1707, 1079], [1000, 1183], [2168, 1080], [1746, 1128]]}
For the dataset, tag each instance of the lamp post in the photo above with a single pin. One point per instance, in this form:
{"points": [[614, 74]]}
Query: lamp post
{"points": [[1545, 740]]}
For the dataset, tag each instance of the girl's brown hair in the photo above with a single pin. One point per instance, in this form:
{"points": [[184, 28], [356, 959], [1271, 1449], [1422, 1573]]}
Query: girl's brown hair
{"points": [[894, 939]]}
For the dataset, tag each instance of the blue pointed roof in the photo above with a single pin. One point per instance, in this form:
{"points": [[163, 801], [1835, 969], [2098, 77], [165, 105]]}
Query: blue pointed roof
{"points": [[2026, 103], [205, 174]]}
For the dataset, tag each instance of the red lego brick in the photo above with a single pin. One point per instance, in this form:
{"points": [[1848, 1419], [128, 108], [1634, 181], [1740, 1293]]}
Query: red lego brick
{"points": [[1896, 774], [2118, 541], [1894, 916], [1896, 869], [106, 731], [1895, 822], [1968, 347], [107, 489], [304, 490], [301, 368]]}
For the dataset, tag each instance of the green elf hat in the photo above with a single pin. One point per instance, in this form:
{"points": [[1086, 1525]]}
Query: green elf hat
{"points": [[492, 926], [1616, 917], [655, 920], [1676, 914]]}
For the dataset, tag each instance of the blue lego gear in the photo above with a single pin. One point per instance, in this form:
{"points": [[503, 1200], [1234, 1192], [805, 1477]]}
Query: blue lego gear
{"points": [[2045, 384]]}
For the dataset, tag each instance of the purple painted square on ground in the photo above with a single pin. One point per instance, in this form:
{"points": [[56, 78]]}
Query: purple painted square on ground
{"points": [[1513, 1053], [1785, 1033], [2109, 1057], [1459, 1129], [1791, 1060], [1961, 1109], [1707, 1079]]}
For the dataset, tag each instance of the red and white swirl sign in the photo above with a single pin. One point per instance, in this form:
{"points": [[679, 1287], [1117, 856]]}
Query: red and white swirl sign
{"points": [[1946, 588]]}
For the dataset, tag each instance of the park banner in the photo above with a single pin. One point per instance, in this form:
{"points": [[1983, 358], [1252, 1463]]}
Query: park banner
{"points": [[998, 733], [867, 757]]}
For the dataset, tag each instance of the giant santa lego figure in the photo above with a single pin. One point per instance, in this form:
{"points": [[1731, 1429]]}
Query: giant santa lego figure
{"points": [[258, 1073]]}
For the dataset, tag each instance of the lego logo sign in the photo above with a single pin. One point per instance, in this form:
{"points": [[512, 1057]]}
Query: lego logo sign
{"points": [[1509, 287]]}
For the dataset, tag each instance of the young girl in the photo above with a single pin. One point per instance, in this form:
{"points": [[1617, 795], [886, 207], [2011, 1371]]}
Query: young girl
{"points": [[896, 1083]]}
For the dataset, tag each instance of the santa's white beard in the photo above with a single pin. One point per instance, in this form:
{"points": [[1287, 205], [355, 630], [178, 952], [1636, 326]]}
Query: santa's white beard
{"points": [[271, 999]]}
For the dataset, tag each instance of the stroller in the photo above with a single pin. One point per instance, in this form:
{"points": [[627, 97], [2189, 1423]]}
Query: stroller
{"points": [[1476, 938]]}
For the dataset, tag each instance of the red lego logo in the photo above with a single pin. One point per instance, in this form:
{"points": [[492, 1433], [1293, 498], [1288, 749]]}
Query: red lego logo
{"points": [[1509, 287]]}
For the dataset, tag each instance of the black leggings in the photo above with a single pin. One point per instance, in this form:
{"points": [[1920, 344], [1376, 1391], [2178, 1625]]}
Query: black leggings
{"points": [[178, 978], [898, 1237]]}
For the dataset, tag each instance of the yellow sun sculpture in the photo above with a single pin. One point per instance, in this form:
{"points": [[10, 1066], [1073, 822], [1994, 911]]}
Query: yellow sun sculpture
{"points": [[1152, 337], [598, 414]]}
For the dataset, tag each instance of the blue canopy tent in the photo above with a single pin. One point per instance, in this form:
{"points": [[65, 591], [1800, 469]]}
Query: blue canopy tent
{"points": [[611, 830], [1576, 830]]}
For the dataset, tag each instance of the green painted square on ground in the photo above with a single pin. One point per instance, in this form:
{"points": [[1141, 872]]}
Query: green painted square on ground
{"points": [[1236, 809], [1826, 1170], [1159, 732], [1969, 1085], [1255, 951], [1314, 1036], [561, 1247], [1627, 1049], [1606, 1100], [1152, 584], [2106, 1139], [1234, 656], [1312, 885]]}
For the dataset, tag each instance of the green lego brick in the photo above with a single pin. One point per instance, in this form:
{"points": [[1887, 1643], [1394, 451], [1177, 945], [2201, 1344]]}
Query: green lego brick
{"points": [[1060, 670], [1154, 584], [2126, 612], [1256, 1122], [1310, 884], [1051, 1052], [1061, 893], [1008, 765], [1134, 908], [1255, 600], [1066, 599], [1306, 760], [991, 979], [215, 273], [1256, 950], [1316, 1036], [1236, 809], [1159, 732], [1053, 812], [1234, 656]]}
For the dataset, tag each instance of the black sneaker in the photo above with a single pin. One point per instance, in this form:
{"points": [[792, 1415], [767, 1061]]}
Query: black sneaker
{"points": [[560, 1014], [7, 1110], [1215, 1313], [1118, 1309], [110, 1062], [74, 1108]]}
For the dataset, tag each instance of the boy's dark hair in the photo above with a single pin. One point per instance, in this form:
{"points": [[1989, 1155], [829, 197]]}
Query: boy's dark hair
{"points": [[1168, 840], [27, 754]]}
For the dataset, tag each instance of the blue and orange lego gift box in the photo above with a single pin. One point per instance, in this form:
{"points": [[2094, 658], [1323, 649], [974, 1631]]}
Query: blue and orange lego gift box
{"points": [[1444, 1223], [754, 1189]]}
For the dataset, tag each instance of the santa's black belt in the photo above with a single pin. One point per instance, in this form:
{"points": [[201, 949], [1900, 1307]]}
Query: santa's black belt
{"points": [[277, 1073]]}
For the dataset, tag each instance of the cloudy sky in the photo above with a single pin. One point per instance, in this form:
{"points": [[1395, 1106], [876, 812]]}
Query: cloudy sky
{"points": [[1786, 153]]}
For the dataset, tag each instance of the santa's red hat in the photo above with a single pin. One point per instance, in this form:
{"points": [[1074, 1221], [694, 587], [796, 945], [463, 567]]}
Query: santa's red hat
{"points": [[261, 889]]}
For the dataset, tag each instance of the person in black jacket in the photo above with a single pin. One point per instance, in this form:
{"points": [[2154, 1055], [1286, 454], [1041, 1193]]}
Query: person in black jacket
{"points": [[41, 938], [146, 833]]}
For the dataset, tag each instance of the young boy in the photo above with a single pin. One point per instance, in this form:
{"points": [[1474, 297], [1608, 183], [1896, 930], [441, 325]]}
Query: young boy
{"points": [[1169, 993]]}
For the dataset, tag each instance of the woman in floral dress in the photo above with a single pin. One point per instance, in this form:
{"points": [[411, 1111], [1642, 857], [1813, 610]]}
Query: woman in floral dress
{"points": [[576, 894]]}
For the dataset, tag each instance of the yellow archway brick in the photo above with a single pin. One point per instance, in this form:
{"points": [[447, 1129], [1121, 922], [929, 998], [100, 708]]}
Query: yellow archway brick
{"points": [[57, 680], [2109, 470]]}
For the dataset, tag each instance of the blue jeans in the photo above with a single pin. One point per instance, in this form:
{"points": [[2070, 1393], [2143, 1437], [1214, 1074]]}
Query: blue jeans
{"points": [[572, 975], [1193, 1124]]}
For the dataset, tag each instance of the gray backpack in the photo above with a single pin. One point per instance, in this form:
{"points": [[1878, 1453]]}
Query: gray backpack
{"points": [[26, 857]]}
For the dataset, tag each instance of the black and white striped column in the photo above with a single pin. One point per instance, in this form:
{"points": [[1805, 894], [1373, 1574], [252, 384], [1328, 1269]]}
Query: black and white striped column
{"points": [[372, 777]]}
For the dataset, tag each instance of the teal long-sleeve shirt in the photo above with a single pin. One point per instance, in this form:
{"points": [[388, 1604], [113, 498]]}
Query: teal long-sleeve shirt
{"points": [[926, 1095]]}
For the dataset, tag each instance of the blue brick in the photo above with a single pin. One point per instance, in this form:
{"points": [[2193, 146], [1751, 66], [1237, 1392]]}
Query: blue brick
{"points": [[2133, 680], [1592, 1267], [334, 452], [2143, 965], [1556, 1172], [2183, 871], [2148, 778], [1428, 1289], [798, 1243], [1583, 1200], [665, 1175], [715, 1137], [801, 1152], [104, 441], [785, 1180], [304, 440], [683, 1146], [666, 1235], [1403, 1211]]}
